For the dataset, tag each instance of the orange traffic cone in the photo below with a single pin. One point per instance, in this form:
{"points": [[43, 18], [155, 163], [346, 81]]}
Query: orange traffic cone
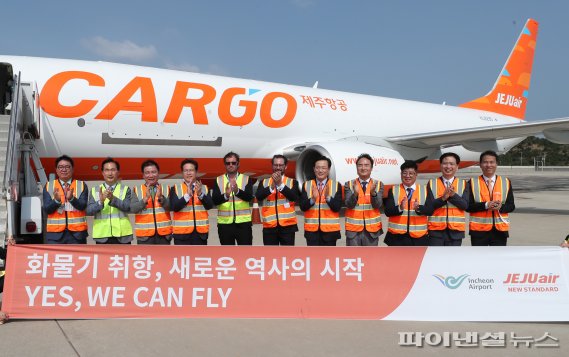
{"points": [[255, 214]]}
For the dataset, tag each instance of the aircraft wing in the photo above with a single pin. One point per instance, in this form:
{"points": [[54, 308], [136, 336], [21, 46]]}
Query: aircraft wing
{"points": [[555, 130]]}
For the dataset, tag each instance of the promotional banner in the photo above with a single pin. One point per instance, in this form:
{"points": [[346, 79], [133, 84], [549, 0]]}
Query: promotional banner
{"points": [[406, 283]]}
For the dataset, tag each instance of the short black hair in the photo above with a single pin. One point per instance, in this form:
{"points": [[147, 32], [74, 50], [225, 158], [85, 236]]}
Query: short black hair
{"points": [[189, 161], [229, 154], [278, 156], [409, 164], [108, 160], [321, 158], [364, 156], [66, 158], [147, 163], [490, 153], [447, 154]]}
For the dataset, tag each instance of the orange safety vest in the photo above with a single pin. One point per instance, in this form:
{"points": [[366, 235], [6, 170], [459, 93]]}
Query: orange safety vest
{"points": [[153, 218], [447, 216], [193, 215], [484, 220], [409, 221], [74, 220], [363, 215], [320, 216], [276, 208]]}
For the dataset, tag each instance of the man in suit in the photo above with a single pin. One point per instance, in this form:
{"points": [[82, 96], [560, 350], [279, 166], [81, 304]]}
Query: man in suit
{"points": [[407, 209], [321, 201], [277, 196], [364, 197], [448, 221], [64, 201], [190, 200], [151, 207], [491, 199], [110, 205]]}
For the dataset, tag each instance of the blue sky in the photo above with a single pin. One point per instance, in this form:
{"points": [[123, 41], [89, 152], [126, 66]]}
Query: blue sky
{"points": [[431, 51]]}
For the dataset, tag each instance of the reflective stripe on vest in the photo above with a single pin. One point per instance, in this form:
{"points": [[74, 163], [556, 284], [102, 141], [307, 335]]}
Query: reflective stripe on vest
{"points": [[485, 220], [153, 217], [74, 220], [448, 215], [235, 210], [409, 221], [363, 215], [193, 215], [320, 216], [111, 221], [276, 208]]}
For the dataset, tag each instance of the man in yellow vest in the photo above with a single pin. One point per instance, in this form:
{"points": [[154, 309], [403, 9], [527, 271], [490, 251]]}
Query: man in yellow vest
{"points": [[151, 207], [64, 201], [491, 199], [109, 203], [407, 209], [277, 196], [321, 200], [364, 197], [448, 221], [232, 193], [190, 200]]}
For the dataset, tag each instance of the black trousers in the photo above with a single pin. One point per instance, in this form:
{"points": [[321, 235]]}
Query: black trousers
{"points": [[193, 238], [111, 240], [405, 240], [493, 237], [240, 233], [156, 240], [277, 237], [320, 238]]}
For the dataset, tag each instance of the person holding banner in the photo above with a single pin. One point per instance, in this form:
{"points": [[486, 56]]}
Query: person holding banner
{"points": [[3, 255], [407, 207], [448, 222], [109, 203], [364, 197], [64, 201], [190, 200], [151, 207], [277, 195], [491, 199], [232, 193], [321, 201]]}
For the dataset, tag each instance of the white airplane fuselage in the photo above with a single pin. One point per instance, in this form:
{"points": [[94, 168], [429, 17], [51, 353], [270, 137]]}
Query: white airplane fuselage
{"points": [[91, 110]]}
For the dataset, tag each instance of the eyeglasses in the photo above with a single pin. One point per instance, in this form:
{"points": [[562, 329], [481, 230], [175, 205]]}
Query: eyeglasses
{"points": [[230, 163], [67, 167]]}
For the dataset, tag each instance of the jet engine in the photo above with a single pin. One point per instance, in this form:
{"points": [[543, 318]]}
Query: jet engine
{"points": [[344, 155]]}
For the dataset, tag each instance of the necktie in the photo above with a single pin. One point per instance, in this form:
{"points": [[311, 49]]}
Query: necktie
{"points": [[152, 190], [490, 184], [409, 193], [320, 186], [364, 184], [448, 184]]}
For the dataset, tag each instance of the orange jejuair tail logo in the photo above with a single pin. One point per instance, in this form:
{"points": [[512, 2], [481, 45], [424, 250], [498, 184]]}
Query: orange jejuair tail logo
{"points": [[510, 92]]}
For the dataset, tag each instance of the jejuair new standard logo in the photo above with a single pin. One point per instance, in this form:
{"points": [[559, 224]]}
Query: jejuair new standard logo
{"points": [[450, 281]]}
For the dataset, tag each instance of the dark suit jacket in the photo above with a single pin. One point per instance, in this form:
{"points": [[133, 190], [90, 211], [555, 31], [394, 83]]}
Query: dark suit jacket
{"points": [[473, 206], [50, 206], [291, 193]]}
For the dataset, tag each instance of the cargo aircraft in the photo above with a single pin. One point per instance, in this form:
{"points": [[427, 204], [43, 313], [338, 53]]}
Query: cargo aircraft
{"points": [[92, 110]]}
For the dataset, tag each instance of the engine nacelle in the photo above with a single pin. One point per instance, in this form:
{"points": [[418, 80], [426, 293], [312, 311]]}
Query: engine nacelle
{"points": [[343, 155]]}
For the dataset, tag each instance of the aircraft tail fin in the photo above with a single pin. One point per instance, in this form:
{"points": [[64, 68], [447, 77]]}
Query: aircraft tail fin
{"points": [[510, 92]]}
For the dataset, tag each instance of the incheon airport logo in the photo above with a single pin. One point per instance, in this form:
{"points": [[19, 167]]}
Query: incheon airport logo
{"points": [[451, 282]]}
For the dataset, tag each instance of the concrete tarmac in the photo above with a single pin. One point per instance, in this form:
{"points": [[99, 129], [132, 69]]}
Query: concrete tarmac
{"points": [[540, 219]]}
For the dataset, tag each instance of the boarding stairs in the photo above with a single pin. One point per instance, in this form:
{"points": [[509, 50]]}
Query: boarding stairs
{"points": [[20, 194]]}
